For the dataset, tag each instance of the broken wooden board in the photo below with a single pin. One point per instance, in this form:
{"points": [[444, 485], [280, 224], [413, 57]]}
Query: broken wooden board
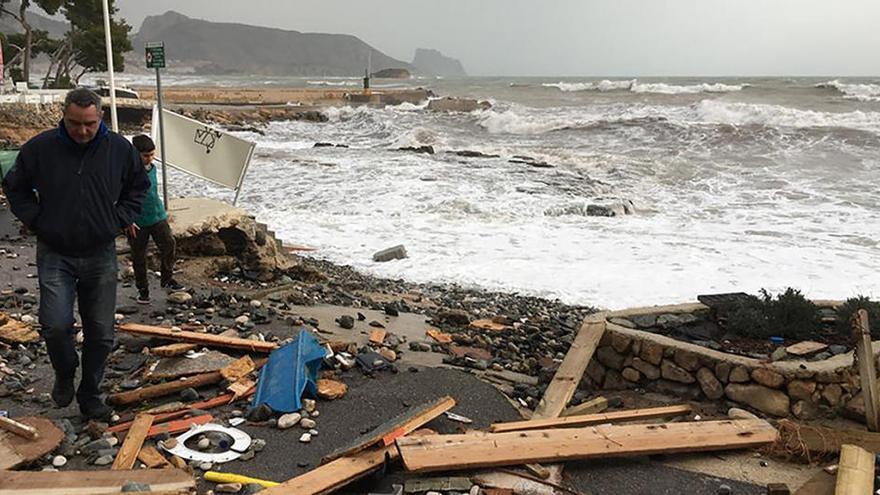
{"points": [[238, 369], [163, 389], [398, 426], [592, 406], [806, 348], [13, 331], [176, 367], [19, 429], [172, 350], [180, 411], [134, 440], [16, 450], [336, 474], [867, 370], [152, 458], [92, 482], [243, 387], [855, 472], [592, 419], [478, 450], [490, 325], [438, 336], [570, 372], [205, 339], [377, 336]]}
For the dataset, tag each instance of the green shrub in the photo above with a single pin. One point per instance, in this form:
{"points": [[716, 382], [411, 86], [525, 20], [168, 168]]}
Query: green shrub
{"points": [[847, 309], [789, 315]]}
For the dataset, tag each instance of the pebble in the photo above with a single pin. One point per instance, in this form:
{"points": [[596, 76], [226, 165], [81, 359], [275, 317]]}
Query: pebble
{"points": [[256, 303], [206, 466], [228, 488], [59, 461], [179, 297], [315, 413], [170, 443], [251, 489], [289, 420], [189, 395], [248, 455], [309, 405], [723, 490], [104, 460], [346, 322], [305, 438], [307, 423], [241, 320], [28, 319], [314, 433], [258, 444], [204, 443]]}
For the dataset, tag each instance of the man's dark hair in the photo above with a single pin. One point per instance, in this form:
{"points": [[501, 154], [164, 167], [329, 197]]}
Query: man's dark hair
{"points": [[143, 143], [82, 97]]}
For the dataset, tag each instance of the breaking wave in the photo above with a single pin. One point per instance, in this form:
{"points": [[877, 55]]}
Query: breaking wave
{"points": [[334, 83], [633, 85], [860, 92]]}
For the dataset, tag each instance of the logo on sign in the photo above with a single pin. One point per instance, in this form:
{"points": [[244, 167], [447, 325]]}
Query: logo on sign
{"points": [[207, 137]]}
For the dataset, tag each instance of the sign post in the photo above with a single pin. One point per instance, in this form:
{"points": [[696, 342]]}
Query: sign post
{"points": [[155, 53]]}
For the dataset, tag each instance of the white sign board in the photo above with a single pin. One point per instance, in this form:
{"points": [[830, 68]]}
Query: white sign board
{"points": [[202, 150]]}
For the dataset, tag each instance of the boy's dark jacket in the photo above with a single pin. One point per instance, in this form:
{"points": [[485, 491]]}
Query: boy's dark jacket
{"points": [[76, 198]]}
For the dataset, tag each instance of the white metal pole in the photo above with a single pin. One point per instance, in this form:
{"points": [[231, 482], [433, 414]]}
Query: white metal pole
{"points": [[109, 44]]}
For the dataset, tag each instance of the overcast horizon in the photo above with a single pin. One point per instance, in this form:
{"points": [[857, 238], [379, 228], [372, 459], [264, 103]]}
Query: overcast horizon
{"points": [[583, 38]]}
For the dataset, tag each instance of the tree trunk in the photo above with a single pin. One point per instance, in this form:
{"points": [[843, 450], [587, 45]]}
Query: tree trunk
{"points": [[28, 42]]}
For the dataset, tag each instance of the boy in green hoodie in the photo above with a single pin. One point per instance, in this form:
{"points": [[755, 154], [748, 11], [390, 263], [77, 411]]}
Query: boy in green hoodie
{"points": [[153, 222]]}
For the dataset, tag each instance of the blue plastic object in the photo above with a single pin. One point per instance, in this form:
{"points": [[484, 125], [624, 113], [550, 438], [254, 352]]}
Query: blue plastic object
{"points": [[777, 340], [290, 371]]}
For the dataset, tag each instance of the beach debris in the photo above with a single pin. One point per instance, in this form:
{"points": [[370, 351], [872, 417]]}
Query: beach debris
{"points": [[592, 419], [205, 339], [392, 253], [217, 477], [458, 418], [345, 321], [13, 331], [805, 348], [370, 361], [20, 450], [396, 427], [438, 336], [176, 367], [291, 371], [855, 472], [490, 325], [239, 369], [377, 336], [19, 429], [331, 389], [241, 441], [445, 484], [134, 440]]}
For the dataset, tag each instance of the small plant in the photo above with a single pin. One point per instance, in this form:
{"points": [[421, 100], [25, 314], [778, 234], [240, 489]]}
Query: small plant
{"points": [[789, 315], [846, 311]]}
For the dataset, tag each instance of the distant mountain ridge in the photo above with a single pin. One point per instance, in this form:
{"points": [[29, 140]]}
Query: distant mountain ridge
{"points": [[432, 62], [229, 48]]}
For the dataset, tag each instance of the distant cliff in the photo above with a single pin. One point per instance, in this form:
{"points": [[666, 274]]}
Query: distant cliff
{"points": [[229, 48], [432, 62]]}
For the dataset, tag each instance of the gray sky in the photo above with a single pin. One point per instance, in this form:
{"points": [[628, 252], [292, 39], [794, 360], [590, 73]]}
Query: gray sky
{"points": [[583, 37]]}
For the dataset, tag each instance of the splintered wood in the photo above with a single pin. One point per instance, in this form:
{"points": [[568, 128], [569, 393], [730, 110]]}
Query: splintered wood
{"points": [[592, 419], [480, 450], [134, 440], [205, 339], [239, 369]]}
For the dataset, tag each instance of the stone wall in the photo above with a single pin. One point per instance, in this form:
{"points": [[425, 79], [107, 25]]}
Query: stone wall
{"points": [[630, 358]]}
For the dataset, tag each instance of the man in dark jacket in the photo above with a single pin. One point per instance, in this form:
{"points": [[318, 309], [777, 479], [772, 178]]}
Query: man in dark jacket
{"points": [[76, 187]]}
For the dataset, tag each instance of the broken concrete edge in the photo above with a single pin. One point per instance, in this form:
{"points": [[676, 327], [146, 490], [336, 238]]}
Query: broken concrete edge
{"points": [[628, 357]]}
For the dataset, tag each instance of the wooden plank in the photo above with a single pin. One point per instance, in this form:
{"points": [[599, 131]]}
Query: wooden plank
{"points": [[92, 482], [867, 371], [134, 440], [242, 388], [178, 426], [172, 350], [205, 339], [592, 406], [592, 419], [19, 429], [438, 336], [855, 473], [220, 400], [238, 369], [335, 474], [16, 450], [152, 458], [479, 450], [396, 427], [163, 389], [377, 336], [805, 348], [570, 372]]}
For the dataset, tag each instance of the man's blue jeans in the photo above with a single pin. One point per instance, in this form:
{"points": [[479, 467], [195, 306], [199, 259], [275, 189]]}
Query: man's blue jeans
{"points": [[92, 280]]}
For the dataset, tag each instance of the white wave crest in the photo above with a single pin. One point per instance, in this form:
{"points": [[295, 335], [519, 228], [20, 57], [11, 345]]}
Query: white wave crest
{"points": [[510, 122], [635, 86], [714, 111], [603, 85], [860, 92], [672, 89], [333, 83]]}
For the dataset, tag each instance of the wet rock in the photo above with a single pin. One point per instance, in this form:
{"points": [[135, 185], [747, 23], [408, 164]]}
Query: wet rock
{"points": [[673, 372], [307, 423], [345, 321], [260, 413], [450, 104], [768, 378], [96, 445], [837, 349], [251, 489], [289, 420], [764, 399], [104, 460], [392, 253], [179, 297], [455, 317], [709, 384], [189, 395]]}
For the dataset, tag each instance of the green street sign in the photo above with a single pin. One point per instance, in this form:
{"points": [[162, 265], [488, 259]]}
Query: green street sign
{"points": [[155, 54]]}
